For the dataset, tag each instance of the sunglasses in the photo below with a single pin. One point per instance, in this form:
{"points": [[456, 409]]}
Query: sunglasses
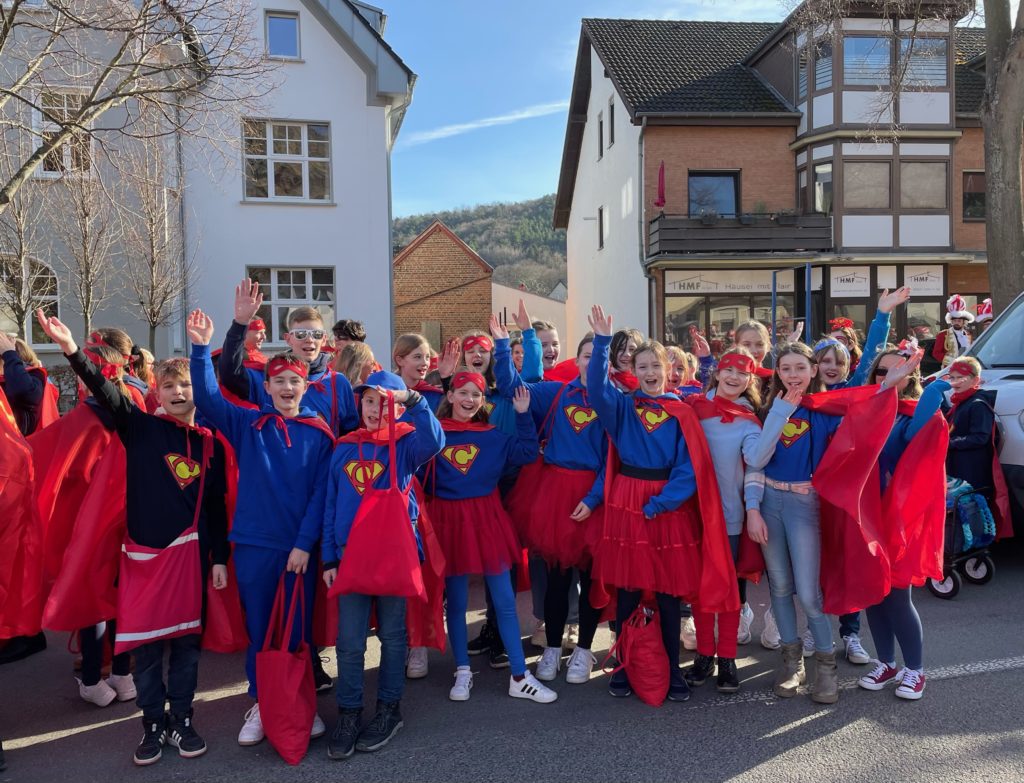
{"points": [[881, 371], [302, 334]]}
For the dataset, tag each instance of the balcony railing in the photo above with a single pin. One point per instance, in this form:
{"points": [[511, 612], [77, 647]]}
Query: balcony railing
{"points": [[676, 234]]}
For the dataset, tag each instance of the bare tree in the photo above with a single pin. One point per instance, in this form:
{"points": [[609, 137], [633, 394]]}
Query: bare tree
{"points": [[26, 282]]}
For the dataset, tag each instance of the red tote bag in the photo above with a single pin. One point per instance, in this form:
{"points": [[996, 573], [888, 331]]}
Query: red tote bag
{"points": [[641, 652], [284, 679], [380, 556]]}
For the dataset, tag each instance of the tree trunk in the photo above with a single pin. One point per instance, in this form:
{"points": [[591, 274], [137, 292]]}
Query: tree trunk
{"points": [[1004, 225], [152, 339]]}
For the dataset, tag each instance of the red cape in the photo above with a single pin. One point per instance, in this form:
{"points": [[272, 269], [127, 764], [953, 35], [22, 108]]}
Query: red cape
{"points": [[565, 371], [451, 425], [20, 539], [854, 564], [625, 378]]}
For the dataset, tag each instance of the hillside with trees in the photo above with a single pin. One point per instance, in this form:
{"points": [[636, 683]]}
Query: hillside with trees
{"points": [[516, 239]]}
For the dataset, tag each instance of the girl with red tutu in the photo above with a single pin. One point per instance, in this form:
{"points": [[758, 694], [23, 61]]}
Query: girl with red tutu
{"points": [[560, 525], [475, 532], [656, 537]]}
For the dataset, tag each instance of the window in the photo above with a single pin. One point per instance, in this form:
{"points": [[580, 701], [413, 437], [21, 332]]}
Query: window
{"points": [[922, 185], [823, 66], [41, 284], [866, 185], [287, 160], [600, 136], [1003, 345], [611, 121], [713, 193], [801, 76], [866, 60], [283, 35], [974, 195], [801, 191], [924, 61], [823, 188], [285, 288], [600, 228], [56, 110]]}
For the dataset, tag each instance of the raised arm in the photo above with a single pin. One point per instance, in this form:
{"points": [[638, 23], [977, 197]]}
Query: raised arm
{"points": [[228, 418], [608, 401], [428, 439], [22, 387], [928, 405], [878, 332], [231, 364]]}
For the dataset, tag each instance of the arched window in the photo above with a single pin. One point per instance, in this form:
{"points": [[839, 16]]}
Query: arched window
{"points": [[24, 286]]}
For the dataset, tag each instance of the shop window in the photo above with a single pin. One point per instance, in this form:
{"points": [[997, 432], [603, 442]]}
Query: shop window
{"points": [[682, 312], [974, 195], [923, 61], [866, 185], [823, 188], [866, 60], [922, 185], [713, 193]]}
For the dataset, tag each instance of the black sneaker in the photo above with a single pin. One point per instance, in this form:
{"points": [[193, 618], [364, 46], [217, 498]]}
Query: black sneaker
{"points": [[618, 685], [728, 677], [151, 748], [483, 642], [678, 690], [379, 731], [342, 743], [321, 679], [703, 667], [497, 656], [182, 735]]}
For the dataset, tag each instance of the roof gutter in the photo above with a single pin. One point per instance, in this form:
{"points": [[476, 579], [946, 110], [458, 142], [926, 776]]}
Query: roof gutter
{"points": [[713, 115]]}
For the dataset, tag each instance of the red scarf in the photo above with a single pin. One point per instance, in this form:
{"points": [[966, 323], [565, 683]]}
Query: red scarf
{"points": [[720, 408], [625, 379], [451, 425], [422, 387], [377, 436], [906, 407], [958, 398]]}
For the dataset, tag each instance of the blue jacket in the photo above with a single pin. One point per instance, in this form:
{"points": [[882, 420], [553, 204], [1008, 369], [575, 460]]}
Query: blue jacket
{"points": [[282, 466], [645, 435], [803, 442], [970, 440], [906, 427], [354, 463]]}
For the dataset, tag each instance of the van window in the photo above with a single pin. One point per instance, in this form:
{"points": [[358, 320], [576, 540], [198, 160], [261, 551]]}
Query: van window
{"points": [[1003, 344]]}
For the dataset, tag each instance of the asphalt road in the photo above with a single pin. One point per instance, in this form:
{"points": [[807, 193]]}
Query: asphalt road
{"points": [[968, 727]]}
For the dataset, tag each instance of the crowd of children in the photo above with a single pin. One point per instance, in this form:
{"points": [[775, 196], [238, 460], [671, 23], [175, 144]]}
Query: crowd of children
{"points": [[634, 483]]}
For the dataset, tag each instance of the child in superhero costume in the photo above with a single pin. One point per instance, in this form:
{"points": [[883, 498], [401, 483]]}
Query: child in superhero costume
{"points": [[33, 399]]}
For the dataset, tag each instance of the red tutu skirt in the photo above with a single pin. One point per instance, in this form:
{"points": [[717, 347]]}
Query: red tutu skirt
{"points": [[519, 501], [661, 554], [476, 535], [552, 533]]}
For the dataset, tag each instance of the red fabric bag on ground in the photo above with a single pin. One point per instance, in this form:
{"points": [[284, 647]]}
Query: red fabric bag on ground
{"points": [[641, 652], [285, 679]]}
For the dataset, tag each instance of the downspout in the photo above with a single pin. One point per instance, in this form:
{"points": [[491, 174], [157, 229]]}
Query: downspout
{"points": [[651, 304]]}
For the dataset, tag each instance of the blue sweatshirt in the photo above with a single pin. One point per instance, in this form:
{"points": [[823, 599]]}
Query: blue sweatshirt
{"points": [[906, 427], [24, 391], [644, 434], [878, 335], [353, 464], [801, 445], [472, 462], [281, 487], [329, 394], [576, 439]]}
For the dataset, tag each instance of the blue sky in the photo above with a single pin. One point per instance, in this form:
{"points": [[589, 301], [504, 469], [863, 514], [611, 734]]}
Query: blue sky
{"points": [[488, 115]]}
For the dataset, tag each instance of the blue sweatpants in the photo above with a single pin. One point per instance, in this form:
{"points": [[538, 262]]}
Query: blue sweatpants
{"points": [[504, 599], [258, 570]]}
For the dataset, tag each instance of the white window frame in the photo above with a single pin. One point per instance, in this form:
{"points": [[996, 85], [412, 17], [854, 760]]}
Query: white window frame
{"points": [[41, 125], [271, 14], [271, 157], [50, 299], [274, 303]]}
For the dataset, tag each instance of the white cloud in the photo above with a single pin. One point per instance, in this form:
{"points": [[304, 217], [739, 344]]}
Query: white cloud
{"points": [[446, 131]]}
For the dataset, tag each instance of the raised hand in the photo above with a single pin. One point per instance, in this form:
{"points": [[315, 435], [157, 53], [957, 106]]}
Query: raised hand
{"points": [[600, 323], [793, 395], [903, 370], [700, 346], [498, 332], [450, 357], [7, 343], [56, 331], [798, 330], [199, 327], [888, 302], [248, 301], [521, 400], [522, 318]]}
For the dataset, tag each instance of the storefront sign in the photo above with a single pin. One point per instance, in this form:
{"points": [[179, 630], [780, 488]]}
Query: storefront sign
{"points": [[740, 281], [854, 281], [924, 280]]}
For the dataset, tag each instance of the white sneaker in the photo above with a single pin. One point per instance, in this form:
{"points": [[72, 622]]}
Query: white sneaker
{"points": [[99, 694], [530, 688], [416, 665], [770, 637], [689, 634], [550, 664], [463, 684], [572, 637], [124, 685], [252, 729], [746, 620], [581, 664], [319, 729], [855, 652], [539, 637], [808, 643]]}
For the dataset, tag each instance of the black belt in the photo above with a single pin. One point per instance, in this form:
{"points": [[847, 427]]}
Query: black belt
{"points": [[645, 474]]}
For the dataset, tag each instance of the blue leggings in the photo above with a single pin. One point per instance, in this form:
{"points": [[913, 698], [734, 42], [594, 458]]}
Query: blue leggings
{"points": [[896, 619], [500, 586]]}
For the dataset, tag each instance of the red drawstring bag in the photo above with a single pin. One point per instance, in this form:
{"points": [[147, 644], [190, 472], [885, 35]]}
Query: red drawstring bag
{"points": [[284, 679], [224, 626], [380, 556], [750, 563], [641, 652]]}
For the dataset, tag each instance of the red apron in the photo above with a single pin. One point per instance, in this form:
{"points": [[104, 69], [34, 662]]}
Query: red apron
{"points": [[160, 592]]}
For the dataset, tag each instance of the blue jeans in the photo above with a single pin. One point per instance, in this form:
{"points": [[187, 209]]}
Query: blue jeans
{"points": [[504, 597], [182, 676], [353, 627], [792, 558], [849, 624]]}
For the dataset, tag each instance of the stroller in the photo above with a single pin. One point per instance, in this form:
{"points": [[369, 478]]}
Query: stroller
{"points": [[970, 529]]}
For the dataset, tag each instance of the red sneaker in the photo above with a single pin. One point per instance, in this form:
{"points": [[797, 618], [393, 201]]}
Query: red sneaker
{"points": [[880, 676], [912, 686]]}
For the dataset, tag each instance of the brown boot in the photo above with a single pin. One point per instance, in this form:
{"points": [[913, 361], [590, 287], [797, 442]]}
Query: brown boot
{"points": [[790, 675], [826, 678]]}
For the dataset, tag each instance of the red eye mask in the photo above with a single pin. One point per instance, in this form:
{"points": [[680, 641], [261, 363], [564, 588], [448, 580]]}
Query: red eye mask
{"points": [[281, 364], [475, 378], [477, 340], [737, 361]]}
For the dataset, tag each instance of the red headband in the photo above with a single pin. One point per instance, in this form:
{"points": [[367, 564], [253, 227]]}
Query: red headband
{"points": [[257, 324], [840, 323], [961, 368], [97, 339], [737, 361], [280, 364], [107, 369], [462, 378], [477, 339]]}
